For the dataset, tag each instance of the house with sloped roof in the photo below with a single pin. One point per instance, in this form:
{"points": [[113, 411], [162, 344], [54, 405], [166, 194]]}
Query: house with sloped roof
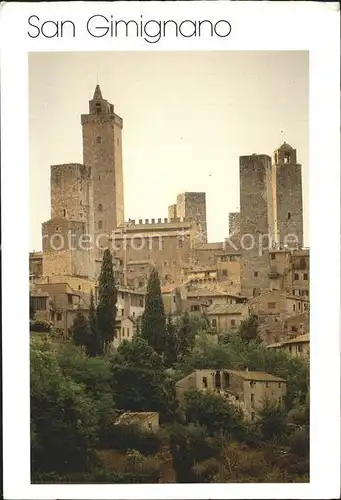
{"points": [[245, 389], [298, 346], [223, 317]]}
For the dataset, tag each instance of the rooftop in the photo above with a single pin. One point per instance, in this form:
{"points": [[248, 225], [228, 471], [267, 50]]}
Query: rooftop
{"points": [[225, 309], [206, 292], [256, 376]]}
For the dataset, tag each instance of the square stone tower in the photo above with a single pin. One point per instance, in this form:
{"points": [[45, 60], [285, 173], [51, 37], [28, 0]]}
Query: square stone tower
{"points": [[67, 245], [256, 222], [288, 205], [192, 207], [102, 151]]}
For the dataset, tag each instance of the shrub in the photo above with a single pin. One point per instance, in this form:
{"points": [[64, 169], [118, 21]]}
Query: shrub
{"points": [[40, 326], [299, 443], [123, 437]]}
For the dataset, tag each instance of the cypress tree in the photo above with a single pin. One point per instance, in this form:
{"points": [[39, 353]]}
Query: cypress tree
{"points": [[153, 321], [107, 298], [80, 330], [171, 347], [186, 336], [95, 346]]}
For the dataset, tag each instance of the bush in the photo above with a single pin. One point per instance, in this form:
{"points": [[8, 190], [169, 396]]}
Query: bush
{"points": [[299, 443], [123, 437], [40, 326]]}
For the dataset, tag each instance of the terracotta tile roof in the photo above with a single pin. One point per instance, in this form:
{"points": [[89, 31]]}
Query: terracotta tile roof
{"points": [[206, 292], [298, 339], [225, 309]]}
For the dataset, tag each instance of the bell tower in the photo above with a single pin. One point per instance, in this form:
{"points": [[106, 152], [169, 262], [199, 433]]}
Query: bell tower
{"points": [[102, 151], [287, 196]]}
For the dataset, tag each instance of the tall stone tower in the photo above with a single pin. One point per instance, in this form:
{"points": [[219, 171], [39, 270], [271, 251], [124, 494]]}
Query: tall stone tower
{"points": [[102, 151], [256, 222], [67, 248], [192, 207], [288, 205]]}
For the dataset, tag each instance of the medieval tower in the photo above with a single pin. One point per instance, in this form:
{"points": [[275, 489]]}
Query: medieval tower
{"points": [[102, 152], [287, 197], [67, 249], [256, 222]]}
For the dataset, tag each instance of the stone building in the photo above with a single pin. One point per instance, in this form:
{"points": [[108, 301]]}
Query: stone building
{"points": [[298, 347], [248, 390], [256, 222], [223, 317], [288, 206], [102, 152], [67, 249]]}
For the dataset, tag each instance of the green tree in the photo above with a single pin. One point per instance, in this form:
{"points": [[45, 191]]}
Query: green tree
{"points": [[153, 321], [107, 298], [213, 412], [139, 380], [94, 347], [64, 422], [186, 336], [80, 330], [171, 346], [249, 330], [271, 419]]}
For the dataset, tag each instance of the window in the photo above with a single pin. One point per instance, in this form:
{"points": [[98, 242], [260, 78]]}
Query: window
{"points": [[272, 305], [99, 177], [69, 299], [181, 243], [123, 332], [59, 316], [252, 400], [273, 256], [233, 322], [214, 323], [279, 385], [253, 415], [305, 307], [255, 274], [252, 384], [296, 277], [100, 224], [128, 333], [165, 263], [174, 299], [98, 107], [289, 215], [300, 348], [53, 315], [141, 301], [224, 272], [194, 308], [100, 207], [79, 287], [99, 139], [305, 276], [266, 384], [290, 348], [204, 381], [299, 305], [294, 307], [64, 212]]}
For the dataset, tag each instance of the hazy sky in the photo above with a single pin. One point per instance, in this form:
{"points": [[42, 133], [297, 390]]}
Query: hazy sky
{"points": [[187, 117]]}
